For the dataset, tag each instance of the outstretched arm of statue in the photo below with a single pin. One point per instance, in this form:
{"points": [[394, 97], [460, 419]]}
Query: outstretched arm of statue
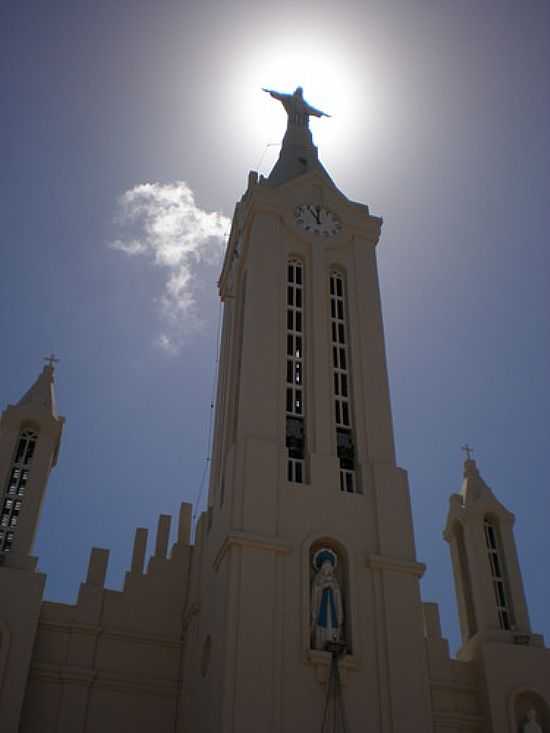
{"points": [[315, 112], [276, 95]]}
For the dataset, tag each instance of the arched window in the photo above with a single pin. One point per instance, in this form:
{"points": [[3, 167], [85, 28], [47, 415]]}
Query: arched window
{"points": [[295, 433], [342, 382], [498, 572], [25, 447], [14, 492]]}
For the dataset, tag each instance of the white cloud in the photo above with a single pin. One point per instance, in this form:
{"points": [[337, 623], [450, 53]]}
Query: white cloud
{"points": [[165, 224], [132, 247]]}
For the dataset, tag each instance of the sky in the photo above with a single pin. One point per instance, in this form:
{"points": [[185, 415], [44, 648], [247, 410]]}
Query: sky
{"points": [[127, 133]]}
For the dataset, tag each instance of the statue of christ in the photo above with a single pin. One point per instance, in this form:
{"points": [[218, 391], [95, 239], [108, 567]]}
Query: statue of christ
{"points": [[296, 107]]}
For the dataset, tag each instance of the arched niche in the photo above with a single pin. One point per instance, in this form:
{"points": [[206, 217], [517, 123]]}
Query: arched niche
{"points": [[342, 575], [524, 701]]}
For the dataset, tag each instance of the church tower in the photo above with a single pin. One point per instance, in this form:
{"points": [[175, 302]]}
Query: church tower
{"points": [[30, 436], [512, 662], [489, 589], [307, 595]]}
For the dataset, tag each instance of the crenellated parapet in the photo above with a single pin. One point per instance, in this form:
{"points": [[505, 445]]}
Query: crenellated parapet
{"points": [[116, 650]]}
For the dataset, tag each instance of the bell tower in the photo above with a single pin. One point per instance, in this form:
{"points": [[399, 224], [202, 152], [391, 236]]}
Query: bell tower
{"points": [[488, 583], [308, 560], [30, 436]]}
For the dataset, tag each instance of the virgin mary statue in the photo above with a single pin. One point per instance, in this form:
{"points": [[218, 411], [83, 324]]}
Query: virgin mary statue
{"points": [[531, 725], [327, 614]]}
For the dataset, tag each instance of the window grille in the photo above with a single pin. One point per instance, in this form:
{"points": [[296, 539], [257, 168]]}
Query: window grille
{"points": [[496, 564], [295, 408], [341, 384], [12, 499]]}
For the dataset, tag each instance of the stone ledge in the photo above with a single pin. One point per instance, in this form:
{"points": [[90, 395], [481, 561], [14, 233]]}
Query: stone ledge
{"points": [[406, 567], [454, 687], [133, 635], [245, 539], [88, 677], [457, 718]]}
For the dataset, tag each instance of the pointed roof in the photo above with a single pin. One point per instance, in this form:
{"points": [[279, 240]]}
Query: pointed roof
{"points": [[475, 498], [41, 395], [473, 486], [474, 490], [298, 155]]}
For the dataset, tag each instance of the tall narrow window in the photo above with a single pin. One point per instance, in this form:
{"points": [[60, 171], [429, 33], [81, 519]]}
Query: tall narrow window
{"points": [[496, 563], [341, 383], [12, 499], [295, 408]]}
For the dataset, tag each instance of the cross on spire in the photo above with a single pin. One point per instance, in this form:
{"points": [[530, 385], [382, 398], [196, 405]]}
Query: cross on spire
{"points": [[466, 448], [51, 360]]}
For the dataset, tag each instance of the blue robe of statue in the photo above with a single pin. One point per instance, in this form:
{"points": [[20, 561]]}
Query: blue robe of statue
{"points": [[326, 607]]}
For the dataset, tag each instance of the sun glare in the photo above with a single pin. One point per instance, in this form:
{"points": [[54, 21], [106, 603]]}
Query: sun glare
{"points": [[328, 85]]}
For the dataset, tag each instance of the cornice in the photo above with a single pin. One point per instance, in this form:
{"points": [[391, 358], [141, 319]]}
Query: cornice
{"points": [[63, 674], [454, 686], [391, 564], [457, 718], [88, 677], [245, 539], [134, 636]]}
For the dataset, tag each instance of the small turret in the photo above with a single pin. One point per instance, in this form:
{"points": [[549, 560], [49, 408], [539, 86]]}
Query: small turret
{"points": [[30, 437], [488, 584]]}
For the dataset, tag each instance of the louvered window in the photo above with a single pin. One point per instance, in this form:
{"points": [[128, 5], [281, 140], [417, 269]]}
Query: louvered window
{"points": [[341, 383], [295, 373], [13, 498], [498, 573]]}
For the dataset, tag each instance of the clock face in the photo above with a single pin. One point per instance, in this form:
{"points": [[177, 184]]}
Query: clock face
{"points": [[317, 220]]}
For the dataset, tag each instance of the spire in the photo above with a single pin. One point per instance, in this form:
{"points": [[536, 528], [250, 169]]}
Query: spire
{"points": [[474, 489], [473, 486], [41, 395], [298, 153]]}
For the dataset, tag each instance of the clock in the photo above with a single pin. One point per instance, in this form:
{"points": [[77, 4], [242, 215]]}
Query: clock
{"points": [[317, 220]]}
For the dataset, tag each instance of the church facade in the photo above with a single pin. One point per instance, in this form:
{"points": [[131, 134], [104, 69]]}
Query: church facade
{"points": [[297, 608]]}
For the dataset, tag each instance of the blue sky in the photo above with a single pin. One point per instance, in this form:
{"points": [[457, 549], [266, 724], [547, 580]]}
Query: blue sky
{"points": [[441, 119]]}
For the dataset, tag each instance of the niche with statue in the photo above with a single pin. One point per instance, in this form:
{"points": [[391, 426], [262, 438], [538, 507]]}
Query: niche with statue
{"points": [[531, 713], [329, 620]]}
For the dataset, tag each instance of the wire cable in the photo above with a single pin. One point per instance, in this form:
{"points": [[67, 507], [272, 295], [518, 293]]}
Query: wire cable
{"points": [[269, 145], [334, 696], [207, 461]]}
